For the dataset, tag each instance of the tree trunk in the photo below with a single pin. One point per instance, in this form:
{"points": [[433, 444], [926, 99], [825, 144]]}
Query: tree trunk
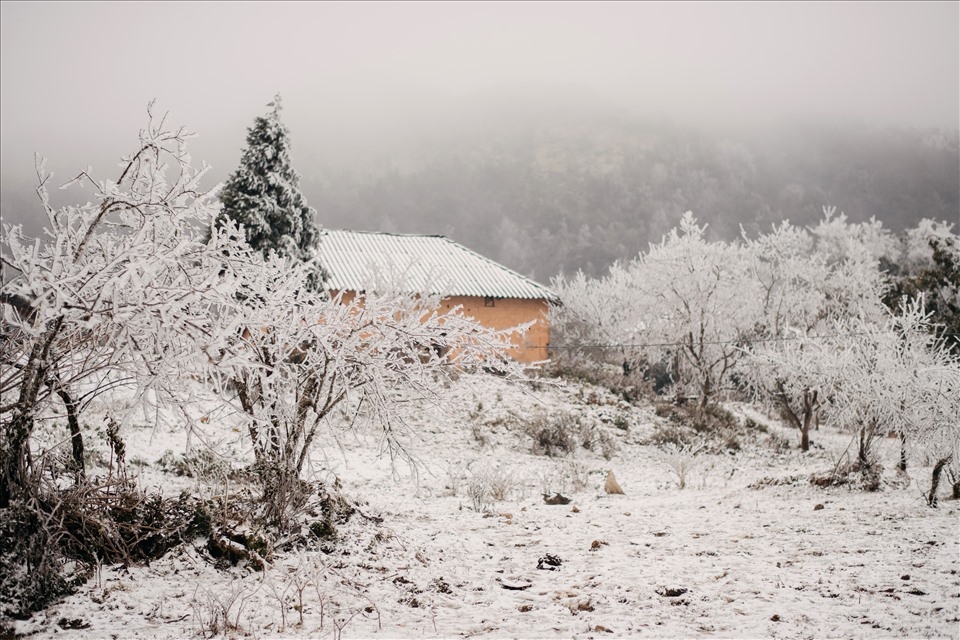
{"points": [[809, 402], [935, 481], [903, 453], [678, 400], [13, 462], [76, 437], [863, 450], [706, 389]]}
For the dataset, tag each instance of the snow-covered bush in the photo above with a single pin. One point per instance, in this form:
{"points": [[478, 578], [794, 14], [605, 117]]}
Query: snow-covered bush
{"points": [[493, 483], [680, 460]]}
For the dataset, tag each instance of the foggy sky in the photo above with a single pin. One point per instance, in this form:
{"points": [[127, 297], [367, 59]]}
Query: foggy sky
{"points": [[76, 77]]}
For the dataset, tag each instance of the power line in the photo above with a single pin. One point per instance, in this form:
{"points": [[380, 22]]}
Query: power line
{"points": [[745, 342]]}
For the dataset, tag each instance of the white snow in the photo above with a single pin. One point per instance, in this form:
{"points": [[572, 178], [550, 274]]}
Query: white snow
{"points": [[750, 562]]}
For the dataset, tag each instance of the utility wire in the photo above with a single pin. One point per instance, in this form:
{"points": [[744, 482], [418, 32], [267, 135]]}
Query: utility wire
{"points": [[640, 345]]}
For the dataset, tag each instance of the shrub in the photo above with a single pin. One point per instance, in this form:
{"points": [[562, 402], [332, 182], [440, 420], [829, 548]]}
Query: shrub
{"points": [[670, 434], [48, 546], [681, 460], [33, 572], [555, 435], [564, 433], [863, 477], [202, 464], [479, 494], [492, 483]]}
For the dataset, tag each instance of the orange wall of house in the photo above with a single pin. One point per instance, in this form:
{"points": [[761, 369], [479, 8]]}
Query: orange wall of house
{"points": [[509, 312], [504, 314]]}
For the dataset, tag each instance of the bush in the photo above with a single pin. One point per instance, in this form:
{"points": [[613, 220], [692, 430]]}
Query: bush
{"points": [[33, 572], [681, 460], [852, 474], [670, 434], [716, 428], [203, 464], [118, 522], [564, 433], [555, 435], [48, 546]]}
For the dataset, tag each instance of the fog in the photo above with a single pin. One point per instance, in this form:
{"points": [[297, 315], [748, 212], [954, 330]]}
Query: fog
{"points": [[362, 81]]}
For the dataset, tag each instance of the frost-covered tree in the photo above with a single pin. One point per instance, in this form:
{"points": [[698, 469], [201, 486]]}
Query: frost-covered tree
{"points": [[897, 377], [302, 355], [263, 195], [840, 239], [931, 268], [596, 323], [805, 291], [696, 307], [686, 302], [794, 372], [118, 293]]}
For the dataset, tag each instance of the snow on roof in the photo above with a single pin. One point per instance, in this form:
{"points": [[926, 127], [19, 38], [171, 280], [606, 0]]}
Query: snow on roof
{"points": [[421, 263]]}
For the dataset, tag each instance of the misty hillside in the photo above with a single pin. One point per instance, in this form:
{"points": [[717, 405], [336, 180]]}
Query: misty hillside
{"points": [[572, 191]]}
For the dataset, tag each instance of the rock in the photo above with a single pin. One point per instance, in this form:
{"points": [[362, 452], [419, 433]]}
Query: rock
{"points": [[818, 507], [549, 562], [515, 585], [556, 499], [611, 485]]}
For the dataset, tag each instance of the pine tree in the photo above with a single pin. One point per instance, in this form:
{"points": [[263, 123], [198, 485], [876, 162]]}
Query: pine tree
{"points": [[264, 195]]}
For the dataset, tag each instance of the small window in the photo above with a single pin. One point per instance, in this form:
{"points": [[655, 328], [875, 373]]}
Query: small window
{"points": [[488, 301]]}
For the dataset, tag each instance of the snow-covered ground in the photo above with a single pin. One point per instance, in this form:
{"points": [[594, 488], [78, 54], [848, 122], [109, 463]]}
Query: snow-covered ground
{"points": [[748, 549]]}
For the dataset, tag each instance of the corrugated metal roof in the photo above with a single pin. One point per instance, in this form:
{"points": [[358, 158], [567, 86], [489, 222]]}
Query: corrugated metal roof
{"points": [[359, 260]]}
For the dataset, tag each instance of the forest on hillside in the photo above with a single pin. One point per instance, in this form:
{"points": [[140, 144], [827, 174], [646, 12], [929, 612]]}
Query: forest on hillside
{"points": [[545, 196]]}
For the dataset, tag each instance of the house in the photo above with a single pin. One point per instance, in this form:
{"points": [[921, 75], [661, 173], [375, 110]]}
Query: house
{"points": [[493, 295]]}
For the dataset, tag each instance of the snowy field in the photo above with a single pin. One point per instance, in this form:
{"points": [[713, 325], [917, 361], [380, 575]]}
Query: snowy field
{"points": [[467, 547]]}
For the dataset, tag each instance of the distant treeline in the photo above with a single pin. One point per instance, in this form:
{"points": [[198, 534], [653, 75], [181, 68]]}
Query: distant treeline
{"points": [[545, 198]]}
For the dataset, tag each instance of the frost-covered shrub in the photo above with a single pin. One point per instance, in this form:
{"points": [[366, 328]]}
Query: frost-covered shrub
{"points": [[555, 435], [854, 474], [479, 494], [670, 433], [33, 572], [681, 460], [715, 426], [493, 483], [200, 463]]}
